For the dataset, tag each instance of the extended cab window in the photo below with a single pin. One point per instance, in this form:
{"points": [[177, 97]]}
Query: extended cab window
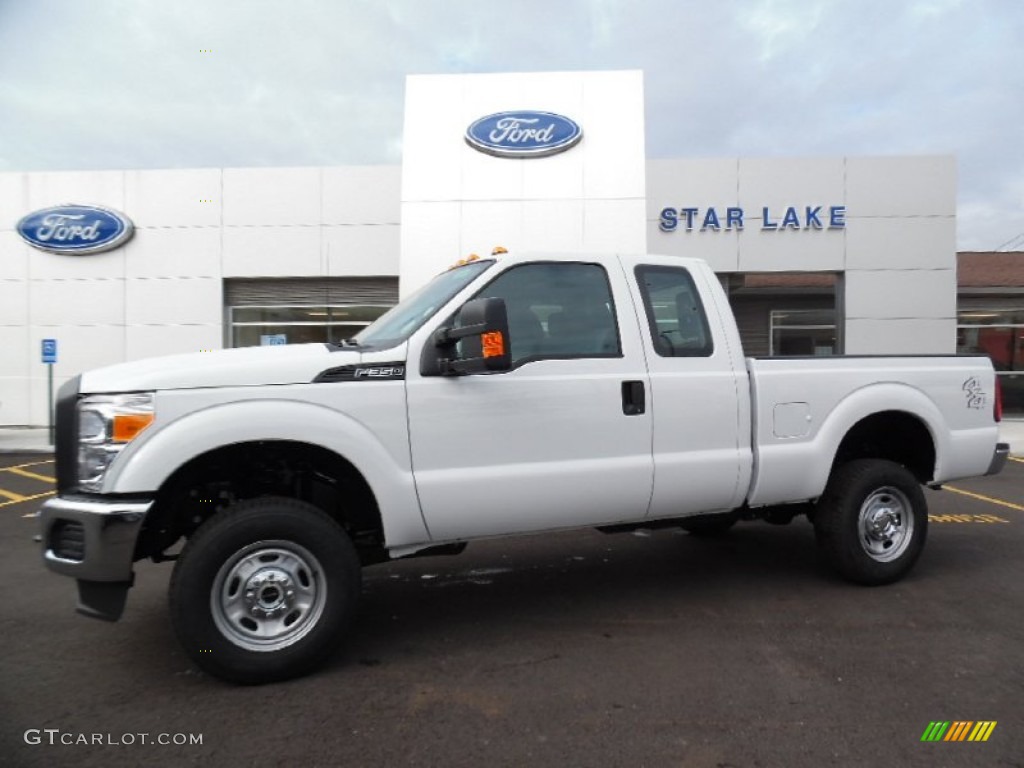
{"points": [[679, 327], [557, 310]]}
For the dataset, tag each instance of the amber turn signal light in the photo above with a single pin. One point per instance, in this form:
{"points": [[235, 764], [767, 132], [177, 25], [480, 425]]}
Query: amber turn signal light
{"points": [[493, 344], [127, 426]]}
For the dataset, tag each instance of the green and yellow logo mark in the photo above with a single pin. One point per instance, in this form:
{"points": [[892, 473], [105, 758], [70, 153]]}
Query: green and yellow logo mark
{"points": [[959, 730]]}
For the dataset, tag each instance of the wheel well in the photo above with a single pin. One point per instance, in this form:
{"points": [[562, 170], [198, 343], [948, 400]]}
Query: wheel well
{"points": [[214, 480], [893, 435]]}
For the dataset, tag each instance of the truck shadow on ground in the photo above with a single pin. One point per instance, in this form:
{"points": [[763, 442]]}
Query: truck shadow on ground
{"points": [[582, 582], [575, 586]]}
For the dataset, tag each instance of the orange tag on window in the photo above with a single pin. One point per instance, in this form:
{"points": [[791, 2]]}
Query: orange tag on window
{"points": [[493, 344]]}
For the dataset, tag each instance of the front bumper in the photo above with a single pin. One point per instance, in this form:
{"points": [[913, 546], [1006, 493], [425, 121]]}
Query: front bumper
{"points": [[93, 540], [999, 456]]}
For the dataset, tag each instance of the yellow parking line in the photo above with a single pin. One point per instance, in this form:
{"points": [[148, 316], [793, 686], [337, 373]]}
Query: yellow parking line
{"points": [[14, 497], [26, 498], [1014, 458], [980, 497], [29, 464], [25, 473]]}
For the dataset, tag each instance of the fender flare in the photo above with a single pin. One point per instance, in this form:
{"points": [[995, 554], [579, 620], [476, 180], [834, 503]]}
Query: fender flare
{"points": [[897, 397], [148, 462], [788, 471]]}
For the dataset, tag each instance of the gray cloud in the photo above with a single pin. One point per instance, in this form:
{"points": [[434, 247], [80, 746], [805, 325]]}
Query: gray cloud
{"points": [[123, 84]]}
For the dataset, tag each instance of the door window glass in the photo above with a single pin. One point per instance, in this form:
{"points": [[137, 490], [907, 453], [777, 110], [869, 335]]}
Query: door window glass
{"points": [[557, 310]]}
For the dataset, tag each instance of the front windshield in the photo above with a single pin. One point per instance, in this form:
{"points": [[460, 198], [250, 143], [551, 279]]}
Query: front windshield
{"points": [[401, 321]]}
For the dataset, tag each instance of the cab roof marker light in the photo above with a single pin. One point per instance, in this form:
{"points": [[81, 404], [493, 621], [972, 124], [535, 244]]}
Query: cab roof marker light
{"points": [[463, 262]]}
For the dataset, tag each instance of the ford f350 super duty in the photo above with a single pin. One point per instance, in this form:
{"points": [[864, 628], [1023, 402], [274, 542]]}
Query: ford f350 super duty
{"points": [[510, 395]]}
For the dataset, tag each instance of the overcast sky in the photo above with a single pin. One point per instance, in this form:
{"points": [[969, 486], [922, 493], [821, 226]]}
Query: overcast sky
{"points": [[103, 84]]}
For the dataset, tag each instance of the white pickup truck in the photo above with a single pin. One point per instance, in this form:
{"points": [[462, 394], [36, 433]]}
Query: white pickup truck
{"points": [[509, 395]]}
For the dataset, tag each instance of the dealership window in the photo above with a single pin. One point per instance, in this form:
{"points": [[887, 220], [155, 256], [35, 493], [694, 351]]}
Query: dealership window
{"points": [[998, 333], [787, 313], [298, 310], [256, 326], [803, 332]]}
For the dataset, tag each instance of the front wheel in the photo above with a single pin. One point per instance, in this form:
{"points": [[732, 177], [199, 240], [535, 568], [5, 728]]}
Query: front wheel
{"points": [[264, 591], [872, 521]]}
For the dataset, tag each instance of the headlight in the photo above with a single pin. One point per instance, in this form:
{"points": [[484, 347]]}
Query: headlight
{"points": [[106, 424]]}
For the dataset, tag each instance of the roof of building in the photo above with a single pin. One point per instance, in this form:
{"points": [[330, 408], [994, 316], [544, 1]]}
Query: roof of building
{"points": [[990, 269], [975, 269], [789, 280]]}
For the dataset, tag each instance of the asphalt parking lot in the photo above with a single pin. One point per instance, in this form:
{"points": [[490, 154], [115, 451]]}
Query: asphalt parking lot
{"points": [[575, 649]]}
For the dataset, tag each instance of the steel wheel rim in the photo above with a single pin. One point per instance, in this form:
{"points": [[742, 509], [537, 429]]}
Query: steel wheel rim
{"points": [[885, 525], [268, 595]]}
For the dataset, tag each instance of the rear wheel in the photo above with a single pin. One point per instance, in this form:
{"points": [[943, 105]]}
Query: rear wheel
{"points": [[872, 521], [264, 590]]}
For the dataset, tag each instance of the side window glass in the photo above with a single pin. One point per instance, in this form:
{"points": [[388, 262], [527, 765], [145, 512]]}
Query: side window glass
{"points": [[679, 326], [557, 310]]}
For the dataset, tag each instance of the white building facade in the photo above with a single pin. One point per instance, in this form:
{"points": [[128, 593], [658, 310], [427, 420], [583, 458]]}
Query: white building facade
{"points": [[826, 255]]}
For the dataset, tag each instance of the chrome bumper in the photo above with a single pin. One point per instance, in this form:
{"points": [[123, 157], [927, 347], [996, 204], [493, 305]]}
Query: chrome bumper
{"points": [[93, 541], [999, 456], [90, 539]]}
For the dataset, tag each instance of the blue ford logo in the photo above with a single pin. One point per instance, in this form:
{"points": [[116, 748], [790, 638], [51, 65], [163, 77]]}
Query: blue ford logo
{"points": [[523, 134], [75, 229]]}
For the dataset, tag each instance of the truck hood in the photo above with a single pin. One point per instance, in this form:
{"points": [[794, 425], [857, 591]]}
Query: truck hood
{"points": [[248, 366]]}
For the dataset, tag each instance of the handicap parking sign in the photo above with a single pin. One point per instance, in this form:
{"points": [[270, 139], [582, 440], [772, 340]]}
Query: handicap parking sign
{"points": [[49, 350]]}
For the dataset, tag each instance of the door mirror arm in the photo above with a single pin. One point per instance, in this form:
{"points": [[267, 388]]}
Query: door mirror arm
{"points": [[477, 343]]}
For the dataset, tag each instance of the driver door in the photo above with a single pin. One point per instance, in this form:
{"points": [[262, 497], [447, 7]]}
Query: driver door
{"points": [[562, 439]]}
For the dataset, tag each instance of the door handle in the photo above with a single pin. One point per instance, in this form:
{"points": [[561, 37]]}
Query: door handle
{"points": [[634, 398]]}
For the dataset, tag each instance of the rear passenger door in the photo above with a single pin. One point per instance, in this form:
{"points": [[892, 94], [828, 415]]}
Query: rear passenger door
{"points": [[564, 438], [698, 438]]}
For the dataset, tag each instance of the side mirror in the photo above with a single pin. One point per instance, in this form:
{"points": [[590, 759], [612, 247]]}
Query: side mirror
{"points": [[478, 342]]}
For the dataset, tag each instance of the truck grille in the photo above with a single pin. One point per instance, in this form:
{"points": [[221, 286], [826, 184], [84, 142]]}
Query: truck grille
{"points": [[67, 540], [66, 450]]}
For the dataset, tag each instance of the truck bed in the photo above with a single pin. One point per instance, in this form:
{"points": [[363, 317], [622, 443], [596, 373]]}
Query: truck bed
{"points": [[803, 408]]}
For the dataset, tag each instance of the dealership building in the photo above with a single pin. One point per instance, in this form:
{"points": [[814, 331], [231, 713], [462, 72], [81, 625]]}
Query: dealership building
{"points": [[819, 255]]}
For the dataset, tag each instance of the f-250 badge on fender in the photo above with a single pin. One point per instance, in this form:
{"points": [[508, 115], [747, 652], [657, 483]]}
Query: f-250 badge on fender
{"points": [[378, 372]]}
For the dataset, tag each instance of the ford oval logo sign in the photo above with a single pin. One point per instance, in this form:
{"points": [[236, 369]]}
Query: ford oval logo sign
{"points": [[523, 134], [75, 229]]}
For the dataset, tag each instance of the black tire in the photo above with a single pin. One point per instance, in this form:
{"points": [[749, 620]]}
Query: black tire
{"points": [[709, 525], [872, 521], [271, 565]]}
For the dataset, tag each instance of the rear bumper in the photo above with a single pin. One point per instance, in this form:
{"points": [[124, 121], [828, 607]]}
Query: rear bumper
{"points": [[999, 456], [93, 541]]}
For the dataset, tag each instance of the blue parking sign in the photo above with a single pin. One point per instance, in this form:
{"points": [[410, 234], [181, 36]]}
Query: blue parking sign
{"points": [[49, 350]]}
